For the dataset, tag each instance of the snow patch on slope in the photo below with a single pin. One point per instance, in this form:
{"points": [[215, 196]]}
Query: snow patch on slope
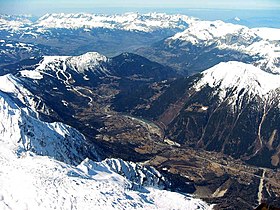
{"points": [[31, 74], [237, 19], [268, 33], [51, 62]]}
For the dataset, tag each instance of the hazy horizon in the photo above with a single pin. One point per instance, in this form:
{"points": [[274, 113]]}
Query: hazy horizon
{"points": [[40, 7], [259, 13]]}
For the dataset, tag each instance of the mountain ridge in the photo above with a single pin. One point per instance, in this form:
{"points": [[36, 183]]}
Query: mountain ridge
{"points": [[206, 43]]}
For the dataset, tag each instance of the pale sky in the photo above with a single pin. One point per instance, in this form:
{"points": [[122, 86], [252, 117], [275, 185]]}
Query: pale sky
{"points": [[45, 6]]}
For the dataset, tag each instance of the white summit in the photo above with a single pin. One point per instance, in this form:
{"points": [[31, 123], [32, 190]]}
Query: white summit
{"points": [[239, 77]]}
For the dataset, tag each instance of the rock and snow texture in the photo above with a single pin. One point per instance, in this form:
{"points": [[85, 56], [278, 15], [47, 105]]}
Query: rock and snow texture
{"points": [[10, 85], [240, 78], [87, 62], [65, 68], [22, 132], [45, 166], [138, 174], [262, 44], [13, 22]]}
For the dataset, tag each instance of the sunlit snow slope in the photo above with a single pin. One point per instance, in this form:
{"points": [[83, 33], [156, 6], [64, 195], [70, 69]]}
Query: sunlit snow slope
{"points": [[240, 78]]}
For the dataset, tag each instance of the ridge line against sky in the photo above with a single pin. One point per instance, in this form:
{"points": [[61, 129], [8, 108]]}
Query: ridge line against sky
{"points": [[45, 6]]}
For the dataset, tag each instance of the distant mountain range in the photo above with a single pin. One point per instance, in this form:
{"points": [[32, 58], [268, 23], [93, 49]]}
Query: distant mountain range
{"points": [[184, 43], [75, 34], [206, 43]]}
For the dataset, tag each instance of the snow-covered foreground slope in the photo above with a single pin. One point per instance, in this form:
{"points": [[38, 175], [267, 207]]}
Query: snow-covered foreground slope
{"points": [[45, 166], [42, 183]]}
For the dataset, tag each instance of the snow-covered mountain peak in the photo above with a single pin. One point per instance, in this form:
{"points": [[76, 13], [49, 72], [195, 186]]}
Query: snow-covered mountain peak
{"points": [[127, 21], [86, 61], [9, 22], [239, 78], [91, 56], [237, 19], [211, 30]]}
